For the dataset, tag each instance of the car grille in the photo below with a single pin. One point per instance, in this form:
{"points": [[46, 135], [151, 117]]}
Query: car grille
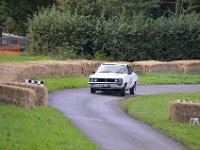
{"points": [[105, 80]]}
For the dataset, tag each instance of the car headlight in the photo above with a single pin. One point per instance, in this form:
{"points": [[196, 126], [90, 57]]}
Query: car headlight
{"points": [[93, 80], [119, 81]]}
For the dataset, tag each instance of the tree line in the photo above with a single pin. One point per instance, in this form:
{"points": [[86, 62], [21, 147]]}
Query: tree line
{"points": [[107, 29]]}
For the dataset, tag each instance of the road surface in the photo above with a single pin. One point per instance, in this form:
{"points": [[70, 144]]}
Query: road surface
{"points": [[100, 118]]}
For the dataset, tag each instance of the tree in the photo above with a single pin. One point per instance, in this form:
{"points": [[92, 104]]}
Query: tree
{"points": [[13, 14], [108, 8], [194, 6]]}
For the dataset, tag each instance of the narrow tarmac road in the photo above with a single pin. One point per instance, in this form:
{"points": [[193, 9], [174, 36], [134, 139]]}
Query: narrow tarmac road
{"points": [[99, 117]]}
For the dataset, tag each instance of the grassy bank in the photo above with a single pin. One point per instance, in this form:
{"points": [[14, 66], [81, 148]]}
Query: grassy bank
{"points": [[154, 111], [42, 128]]}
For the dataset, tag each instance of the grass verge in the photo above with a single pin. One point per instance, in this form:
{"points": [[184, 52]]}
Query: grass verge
{"points": [[42, 128], [23, 58], [161, 78], [153, 110], [55, 83], [46, 128]]}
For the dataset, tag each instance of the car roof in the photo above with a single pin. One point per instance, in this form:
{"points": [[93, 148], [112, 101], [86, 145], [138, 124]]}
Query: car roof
{"points": [[114, 64]]}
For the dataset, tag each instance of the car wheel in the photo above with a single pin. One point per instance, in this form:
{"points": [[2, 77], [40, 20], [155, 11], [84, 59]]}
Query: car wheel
{"points": [[122, 92], [92, 90], [133, 89]]}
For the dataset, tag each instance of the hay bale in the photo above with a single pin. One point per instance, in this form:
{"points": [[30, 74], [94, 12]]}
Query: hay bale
{"points": [[181, 111], [145, 66], [13, 72], [18, 96], [164, 68], [188, 66], [41, 94], [87, 67], [156, 67]]}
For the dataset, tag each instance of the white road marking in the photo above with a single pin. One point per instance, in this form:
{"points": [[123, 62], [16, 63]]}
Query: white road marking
{"points": [[91, 119]]}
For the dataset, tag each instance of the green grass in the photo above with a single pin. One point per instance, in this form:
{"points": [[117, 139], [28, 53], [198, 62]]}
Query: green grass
{"points": [[56, 83], [160, 78], [42, 128], [46, 128], [23, 58], [154, 111]]}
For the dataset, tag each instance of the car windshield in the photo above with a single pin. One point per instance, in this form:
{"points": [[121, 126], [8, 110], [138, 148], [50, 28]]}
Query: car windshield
{"points": [[112, 69]]}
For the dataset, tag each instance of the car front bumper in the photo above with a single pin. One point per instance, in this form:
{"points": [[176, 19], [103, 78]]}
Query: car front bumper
{"points": [[105, 85]]}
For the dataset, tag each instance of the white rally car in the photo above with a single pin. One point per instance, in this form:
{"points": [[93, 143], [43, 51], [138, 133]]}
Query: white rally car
{"points": [[113, 76]]}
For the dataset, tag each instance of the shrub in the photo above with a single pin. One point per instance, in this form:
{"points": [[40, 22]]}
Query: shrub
{"points": [[116, 38]]}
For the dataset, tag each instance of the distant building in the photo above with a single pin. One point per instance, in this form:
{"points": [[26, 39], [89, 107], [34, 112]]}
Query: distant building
{"points": [[10, 39]]}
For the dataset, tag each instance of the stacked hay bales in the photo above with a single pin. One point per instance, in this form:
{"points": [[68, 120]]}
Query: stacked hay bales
{"points": [[9, 71], [181, 111], [88, 67], [20, 71], [22, 94], [152, 66], [188, 66], [50, 69], [18, 96]]}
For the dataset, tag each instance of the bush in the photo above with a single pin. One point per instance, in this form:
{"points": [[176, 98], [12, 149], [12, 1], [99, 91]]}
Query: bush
{"points": [[52, 32], [115, 38]]}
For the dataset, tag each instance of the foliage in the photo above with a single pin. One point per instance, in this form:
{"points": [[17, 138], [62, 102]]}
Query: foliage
{"points": [[52, 31], [13, 14], [194, 6], [117, 38], [107, 8], [155, 112]]}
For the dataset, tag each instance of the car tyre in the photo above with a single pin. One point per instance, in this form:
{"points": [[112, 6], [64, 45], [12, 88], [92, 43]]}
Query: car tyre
{"points": [[133, 89], [122, 92], [92, 90]]}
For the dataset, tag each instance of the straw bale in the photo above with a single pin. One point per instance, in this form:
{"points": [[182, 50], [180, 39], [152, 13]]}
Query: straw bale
{"points": [[182, 111], [15, 71], [188, 66], [88, 67], [18, 96], [164, 68], [138, 69], [40, 91]]}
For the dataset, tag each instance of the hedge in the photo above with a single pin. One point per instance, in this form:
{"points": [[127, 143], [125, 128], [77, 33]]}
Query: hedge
{"points": [[137, 38]]}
